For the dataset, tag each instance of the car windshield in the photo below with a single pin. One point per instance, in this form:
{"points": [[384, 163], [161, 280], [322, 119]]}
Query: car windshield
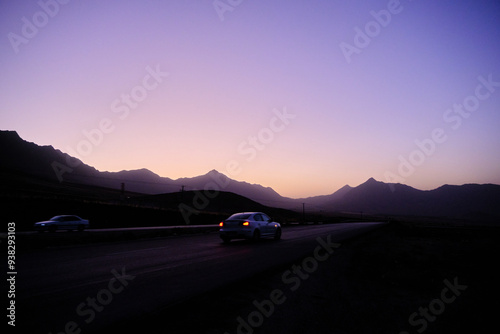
{"points": [[57, 218], [240, 216]]}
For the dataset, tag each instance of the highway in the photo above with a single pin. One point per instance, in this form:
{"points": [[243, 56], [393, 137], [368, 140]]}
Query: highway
{"points": [[85, 288]]}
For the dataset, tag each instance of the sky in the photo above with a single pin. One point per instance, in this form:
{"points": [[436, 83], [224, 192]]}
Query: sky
{"points": [[300, 96]]}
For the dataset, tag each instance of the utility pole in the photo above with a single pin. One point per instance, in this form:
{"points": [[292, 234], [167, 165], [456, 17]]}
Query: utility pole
{"points": [[182, 193], [122, 191], [304, 213]]}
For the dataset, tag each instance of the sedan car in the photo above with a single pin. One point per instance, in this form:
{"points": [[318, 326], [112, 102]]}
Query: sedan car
{"points": [[249, 225], [65, 222]]}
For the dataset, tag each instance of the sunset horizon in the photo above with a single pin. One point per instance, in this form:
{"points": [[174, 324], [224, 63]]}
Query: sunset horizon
{"points": [[60, 171]]}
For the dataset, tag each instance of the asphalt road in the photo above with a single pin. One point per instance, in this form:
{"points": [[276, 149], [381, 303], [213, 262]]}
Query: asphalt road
{"points": [[80, 289]]}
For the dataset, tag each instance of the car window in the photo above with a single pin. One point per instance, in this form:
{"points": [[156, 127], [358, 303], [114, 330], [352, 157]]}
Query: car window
{"points": [[239, 216], [266, 217], [258, 217]]}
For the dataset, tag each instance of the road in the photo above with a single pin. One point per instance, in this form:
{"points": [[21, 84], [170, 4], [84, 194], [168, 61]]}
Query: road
{"points": [[80, 289]]}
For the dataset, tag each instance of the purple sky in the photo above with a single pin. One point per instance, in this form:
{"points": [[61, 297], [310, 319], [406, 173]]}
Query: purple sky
{"points": [[300, 96]]}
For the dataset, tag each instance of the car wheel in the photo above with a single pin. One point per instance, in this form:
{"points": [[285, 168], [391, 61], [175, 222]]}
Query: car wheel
{"points": [[277, 235], [256, 235], [226, 240], [52, 228], [81, 228]]}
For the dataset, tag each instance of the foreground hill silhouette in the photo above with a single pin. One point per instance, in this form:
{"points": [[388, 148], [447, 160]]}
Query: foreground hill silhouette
{"points": [[470, 201]]}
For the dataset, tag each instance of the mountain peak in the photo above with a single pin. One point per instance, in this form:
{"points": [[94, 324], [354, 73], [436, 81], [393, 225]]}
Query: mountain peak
{"points": [[142, 173], [345, 188], [215, 174], [371, 180]]}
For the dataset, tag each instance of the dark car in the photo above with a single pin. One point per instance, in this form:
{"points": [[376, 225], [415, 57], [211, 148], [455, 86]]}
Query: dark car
{"points": [[64, 222], [249, 225]]}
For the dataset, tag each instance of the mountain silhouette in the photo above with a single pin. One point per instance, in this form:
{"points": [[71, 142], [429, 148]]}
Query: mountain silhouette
{"points": [[51, 164], [470, 201]]}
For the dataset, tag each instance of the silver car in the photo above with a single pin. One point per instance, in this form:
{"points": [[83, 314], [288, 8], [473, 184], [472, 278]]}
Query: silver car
{"points": [[249, 225], [65, 222]]}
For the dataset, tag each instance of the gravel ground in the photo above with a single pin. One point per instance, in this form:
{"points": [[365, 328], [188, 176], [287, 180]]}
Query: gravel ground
{"points": [[397, 279]]}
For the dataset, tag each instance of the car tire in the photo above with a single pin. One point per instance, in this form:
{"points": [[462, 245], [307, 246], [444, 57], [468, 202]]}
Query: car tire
{"points": [[81, 228], [226, 240], [277, 235], [256, 235], [52, 228]]}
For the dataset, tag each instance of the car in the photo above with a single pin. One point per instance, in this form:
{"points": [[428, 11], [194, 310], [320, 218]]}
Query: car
{"points": [[63, 222], [249, 225]]}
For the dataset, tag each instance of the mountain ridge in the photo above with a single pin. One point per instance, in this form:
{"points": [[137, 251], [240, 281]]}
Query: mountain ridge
{"points": [[372, 196]]}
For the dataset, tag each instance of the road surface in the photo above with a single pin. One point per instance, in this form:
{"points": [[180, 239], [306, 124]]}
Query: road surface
{"points": [[81, 289]]}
